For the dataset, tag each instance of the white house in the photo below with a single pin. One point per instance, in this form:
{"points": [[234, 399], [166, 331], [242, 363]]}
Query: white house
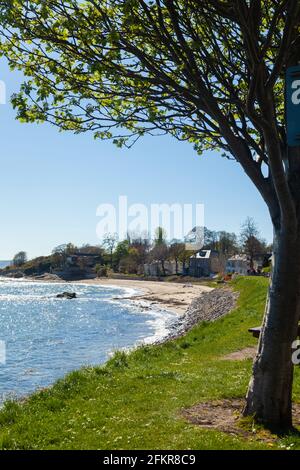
{"points": [[239, 264]]}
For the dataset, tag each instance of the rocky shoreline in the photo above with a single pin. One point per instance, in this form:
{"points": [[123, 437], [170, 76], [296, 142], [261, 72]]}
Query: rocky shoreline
{"points": [[208, 307]]}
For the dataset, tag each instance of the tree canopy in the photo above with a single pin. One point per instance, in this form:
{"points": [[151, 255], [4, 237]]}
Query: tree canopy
{"points": [[20, 258], [209, 72]]}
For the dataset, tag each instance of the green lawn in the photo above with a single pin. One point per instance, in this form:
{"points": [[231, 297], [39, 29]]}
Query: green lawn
{"points": [[134, 401]]}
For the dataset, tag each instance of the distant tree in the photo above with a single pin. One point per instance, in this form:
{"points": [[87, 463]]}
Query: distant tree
{"points": [[130, 263], [249, 229], [20, 258], [142, 245], [101, 270], [71, 249], [250, 240], [211, 239], [121, 251], [227, 243], [109, 242], [90, 250], [176, 251], [61, 249], [224, 242], [60, 254], [160, 252], [160, 236], [185, 257], [57, 259]]}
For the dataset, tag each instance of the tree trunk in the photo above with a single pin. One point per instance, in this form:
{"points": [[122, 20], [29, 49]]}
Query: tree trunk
{"points": [[269, 396], [251, 261]]}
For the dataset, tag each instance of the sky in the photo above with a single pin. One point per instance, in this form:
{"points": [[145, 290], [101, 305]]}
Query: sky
{"points": [[51, 182]]}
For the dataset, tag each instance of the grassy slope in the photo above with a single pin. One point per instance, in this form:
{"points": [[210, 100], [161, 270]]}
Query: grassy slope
{"points": [[134, 401]]}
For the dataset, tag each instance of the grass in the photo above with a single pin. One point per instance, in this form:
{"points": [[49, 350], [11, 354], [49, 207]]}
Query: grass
{"points": [[134, 401]]}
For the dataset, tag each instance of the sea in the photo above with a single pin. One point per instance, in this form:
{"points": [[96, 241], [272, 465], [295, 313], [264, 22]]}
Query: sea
{"points": [[43, 337], [3, 264]]}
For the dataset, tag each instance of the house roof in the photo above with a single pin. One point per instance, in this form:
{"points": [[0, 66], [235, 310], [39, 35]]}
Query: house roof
{"points": [[202, 254]]}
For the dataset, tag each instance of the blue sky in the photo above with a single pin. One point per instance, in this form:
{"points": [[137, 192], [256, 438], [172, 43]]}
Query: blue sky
{"points": [[52, 182]]}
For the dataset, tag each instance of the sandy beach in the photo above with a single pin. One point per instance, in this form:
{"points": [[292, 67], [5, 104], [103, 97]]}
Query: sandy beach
{"points": [[167, 295]]}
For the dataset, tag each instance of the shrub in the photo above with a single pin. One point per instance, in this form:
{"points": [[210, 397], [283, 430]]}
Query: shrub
{"points": [[101, 270], [266, 270]]}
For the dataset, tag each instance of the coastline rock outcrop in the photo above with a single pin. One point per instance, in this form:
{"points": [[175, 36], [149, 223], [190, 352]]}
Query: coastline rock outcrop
{"points": [[67, 295], [208, 307]]}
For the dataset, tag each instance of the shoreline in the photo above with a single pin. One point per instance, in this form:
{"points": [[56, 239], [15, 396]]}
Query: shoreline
{"points": [[189, 303], [169, 296]]}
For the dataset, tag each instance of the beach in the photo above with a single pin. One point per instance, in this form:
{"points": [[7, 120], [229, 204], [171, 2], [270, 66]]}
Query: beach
{"points": [[175, 297]]}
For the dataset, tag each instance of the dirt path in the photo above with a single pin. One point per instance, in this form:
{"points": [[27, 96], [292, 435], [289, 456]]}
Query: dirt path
{"points": [[225, 415], [241, 355]]}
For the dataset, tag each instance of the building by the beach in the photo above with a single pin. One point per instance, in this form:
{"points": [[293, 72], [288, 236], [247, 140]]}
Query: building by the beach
{"points": [[205, 263]]}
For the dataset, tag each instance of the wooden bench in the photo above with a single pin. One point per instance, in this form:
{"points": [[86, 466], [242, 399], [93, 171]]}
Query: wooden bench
{"points": [[257, 329]]}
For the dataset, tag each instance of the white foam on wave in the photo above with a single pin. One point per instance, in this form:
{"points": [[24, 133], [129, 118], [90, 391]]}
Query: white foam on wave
{"points": [[161, 320]]}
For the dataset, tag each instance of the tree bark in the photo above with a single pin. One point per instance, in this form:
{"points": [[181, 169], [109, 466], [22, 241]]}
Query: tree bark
{"points": [[163, 267], [269, 396]]}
